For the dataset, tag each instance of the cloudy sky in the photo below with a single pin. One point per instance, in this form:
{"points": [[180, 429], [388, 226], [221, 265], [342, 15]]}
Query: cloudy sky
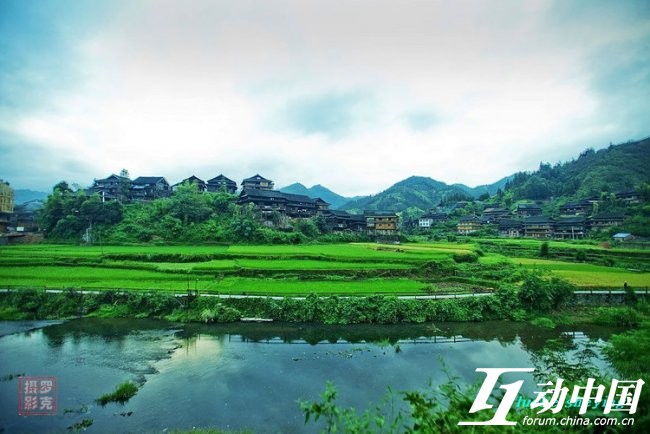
{"points": [[354, 95]]}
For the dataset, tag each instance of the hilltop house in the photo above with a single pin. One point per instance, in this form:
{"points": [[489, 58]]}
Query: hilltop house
{"points": [[267, 202], [221, 183], [200, 184], [257, 182], [144, 188], [468, 224], [112, 187]]}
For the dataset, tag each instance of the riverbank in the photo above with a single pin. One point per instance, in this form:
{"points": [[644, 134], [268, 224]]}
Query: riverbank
{"points": [[503, 304]]}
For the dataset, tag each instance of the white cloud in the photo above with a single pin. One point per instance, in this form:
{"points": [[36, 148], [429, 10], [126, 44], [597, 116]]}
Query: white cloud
{"points": [[354, 96]]}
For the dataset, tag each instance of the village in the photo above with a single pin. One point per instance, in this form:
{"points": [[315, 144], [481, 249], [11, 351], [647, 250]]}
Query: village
{"points": [[274, 208]]}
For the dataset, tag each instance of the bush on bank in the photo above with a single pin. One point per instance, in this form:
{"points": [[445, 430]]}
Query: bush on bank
{"points": [[26, 304]]}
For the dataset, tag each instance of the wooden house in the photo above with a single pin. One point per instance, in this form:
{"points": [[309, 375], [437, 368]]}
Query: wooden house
{"points": [[605, 220], [581, 207], [468, 224], [257, 182], [200, 184], [494, 215], [510, 228], [528, 210], [267, 202], [629, 196], [538, 227], [572, 228], [112, 187], [381, 222], [6, 197], [145, 188], [221, 183]]}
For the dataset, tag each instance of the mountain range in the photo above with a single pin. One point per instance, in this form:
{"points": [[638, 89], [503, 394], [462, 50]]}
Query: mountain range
{"points": [[615, 168]]}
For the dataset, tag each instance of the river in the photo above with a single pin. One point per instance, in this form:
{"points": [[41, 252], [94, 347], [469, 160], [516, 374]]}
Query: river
{"points": [[245, 376]]}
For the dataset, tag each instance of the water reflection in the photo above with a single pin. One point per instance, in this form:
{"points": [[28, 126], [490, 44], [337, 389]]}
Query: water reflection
{"points": [[239, 376]]}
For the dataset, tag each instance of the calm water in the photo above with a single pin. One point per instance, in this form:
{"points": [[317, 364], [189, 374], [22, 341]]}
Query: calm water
{"points": [[244, 375]]}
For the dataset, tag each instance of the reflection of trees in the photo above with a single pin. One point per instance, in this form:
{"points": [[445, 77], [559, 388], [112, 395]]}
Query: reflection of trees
{"points": [[113, 330]]}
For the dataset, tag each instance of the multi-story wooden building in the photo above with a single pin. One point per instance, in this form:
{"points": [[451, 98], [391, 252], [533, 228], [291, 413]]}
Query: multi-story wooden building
{"points": [[145, 188], [384, 223], [200, 184], [494, 215], [510, 228], [539, 227], [112, 187], [468, 224], [572, 228], [6, 204], [6, 197], [605, 220], [528, 210], [292, 205], [221, 183], [257, 182], [581, 207]]}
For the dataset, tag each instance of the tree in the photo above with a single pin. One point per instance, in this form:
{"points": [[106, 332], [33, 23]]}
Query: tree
{"points": [[543, 250]]}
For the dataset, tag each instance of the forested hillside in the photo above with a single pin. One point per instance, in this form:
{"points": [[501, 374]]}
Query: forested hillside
{"points": [[415, 193], [613, 169]]}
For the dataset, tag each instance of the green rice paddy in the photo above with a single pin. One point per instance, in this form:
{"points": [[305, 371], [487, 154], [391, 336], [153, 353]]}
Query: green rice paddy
{"points": [[341, 269]]}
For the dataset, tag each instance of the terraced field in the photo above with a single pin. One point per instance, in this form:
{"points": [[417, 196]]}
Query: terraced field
{"points": [[341, 269]]}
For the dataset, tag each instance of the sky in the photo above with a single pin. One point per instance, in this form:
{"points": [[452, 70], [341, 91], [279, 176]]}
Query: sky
{"points": [[353, 95]]}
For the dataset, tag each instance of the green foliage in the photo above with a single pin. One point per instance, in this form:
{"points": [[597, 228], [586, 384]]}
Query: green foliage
{"points": [[541, 295], [617, 316], [465, 257], [543, 250], [121, 394]]}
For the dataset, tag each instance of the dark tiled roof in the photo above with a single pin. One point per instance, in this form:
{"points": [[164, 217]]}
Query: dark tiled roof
{"points": [[509, 223], [119, 178], [538, 220], [148, 179], [570, 220], [256, 178], [608, 216], [379, 214], [221, 178], [275, 194]]}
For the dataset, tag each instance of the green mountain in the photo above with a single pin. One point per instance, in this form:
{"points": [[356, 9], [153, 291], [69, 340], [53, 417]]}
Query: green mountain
{"points": [[417, 193], [612, 169], [335, 200], [490, 189]]}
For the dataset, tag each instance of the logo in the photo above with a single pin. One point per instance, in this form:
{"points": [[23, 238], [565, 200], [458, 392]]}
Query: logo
{"points": [[620, 396], [37, 396]]}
